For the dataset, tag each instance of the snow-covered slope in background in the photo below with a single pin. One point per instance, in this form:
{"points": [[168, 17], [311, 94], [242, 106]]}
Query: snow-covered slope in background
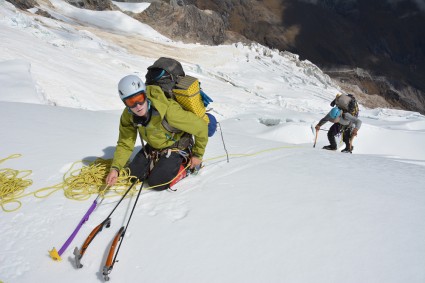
{"points": [[132, 7], [279, 211]]}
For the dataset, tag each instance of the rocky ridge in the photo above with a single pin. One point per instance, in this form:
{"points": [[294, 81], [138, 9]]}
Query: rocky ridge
{"points": [[363, 46], [184, 22], [385, 38]]}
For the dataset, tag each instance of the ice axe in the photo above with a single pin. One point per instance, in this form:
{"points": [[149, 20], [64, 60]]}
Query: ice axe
{"points": [[316, 133]]}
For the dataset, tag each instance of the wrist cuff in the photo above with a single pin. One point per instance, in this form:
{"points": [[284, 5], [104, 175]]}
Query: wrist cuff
{"points": [[116, 169]]}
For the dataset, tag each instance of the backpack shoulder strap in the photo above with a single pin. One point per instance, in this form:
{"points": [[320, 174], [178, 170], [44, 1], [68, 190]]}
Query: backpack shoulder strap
{"points": [[169, 128]]}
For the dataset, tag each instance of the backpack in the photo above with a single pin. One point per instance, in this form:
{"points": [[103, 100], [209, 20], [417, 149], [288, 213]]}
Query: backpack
{"points": [[347, 103], [168, 74]]}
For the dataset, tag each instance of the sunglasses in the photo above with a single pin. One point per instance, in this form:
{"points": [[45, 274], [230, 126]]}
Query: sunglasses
{"points": [[138, 98]]}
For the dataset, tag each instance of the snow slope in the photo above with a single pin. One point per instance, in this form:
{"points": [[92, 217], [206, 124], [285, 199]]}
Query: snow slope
{"points": [[279, 211]]}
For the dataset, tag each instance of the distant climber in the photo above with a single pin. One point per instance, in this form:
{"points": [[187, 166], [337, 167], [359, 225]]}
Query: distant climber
{"points": [[344, 123]]}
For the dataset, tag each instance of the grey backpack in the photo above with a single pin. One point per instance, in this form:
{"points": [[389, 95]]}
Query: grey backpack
{"points": [[347, 103]]}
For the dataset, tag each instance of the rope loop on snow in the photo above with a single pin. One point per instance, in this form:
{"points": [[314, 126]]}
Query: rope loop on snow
{"points": [[251, 154], [79, 184], [12, 185]]}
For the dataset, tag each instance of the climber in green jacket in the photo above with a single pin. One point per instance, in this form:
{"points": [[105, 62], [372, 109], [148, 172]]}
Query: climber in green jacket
{"points": [[149, 112]]}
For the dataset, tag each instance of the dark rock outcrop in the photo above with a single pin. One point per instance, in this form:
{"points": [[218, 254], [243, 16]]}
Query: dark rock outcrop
{"points": [[97, 5], [187, 23], [386, 38], [23, 4], [366, 87]]}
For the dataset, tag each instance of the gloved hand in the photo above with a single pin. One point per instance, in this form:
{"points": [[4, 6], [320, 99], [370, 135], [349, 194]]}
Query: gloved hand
{"points": [[205, 98], [317, 127], [354, 133]]}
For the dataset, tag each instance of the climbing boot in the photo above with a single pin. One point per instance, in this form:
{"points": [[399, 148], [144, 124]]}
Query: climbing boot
{"points": [[329, 147], [347, 150]]}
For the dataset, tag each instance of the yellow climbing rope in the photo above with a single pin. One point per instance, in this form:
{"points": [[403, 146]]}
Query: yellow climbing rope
{"points": [[252, 154], [12, 185], [79, 184]]}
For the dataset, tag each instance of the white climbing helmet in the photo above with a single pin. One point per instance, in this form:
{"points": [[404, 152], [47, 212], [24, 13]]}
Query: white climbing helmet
{"points": [[129, 86]]}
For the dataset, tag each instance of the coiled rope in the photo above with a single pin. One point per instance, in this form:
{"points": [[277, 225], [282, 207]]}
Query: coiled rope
{"points": [[79, 184], [12, 185]]}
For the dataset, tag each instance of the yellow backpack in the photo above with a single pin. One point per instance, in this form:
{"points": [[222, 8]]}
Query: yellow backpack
{"points": [[187, 92]]}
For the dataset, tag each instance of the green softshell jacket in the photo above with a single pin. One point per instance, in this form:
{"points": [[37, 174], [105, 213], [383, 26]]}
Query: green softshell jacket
{"points": [[154, 133]]}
